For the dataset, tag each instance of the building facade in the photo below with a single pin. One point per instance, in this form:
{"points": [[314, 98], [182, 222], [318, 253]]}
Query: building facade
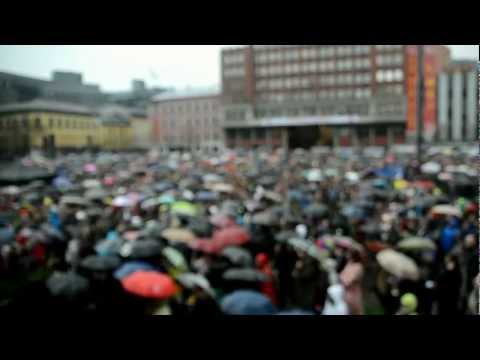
{"points": [[458, 103], [50, 126], [64, 87], [189, 120], [307, 95]]}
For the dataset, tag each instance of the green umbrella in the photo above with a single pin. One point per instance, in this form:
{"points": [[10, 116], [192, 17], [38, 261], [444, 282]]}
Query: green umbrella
{"points": [[175, 258], [184, 208]]}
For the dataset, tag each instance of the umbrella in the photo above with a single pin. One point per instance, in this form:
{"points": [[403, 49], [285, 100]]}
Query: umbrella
{"points": [[353, 212], [265, 217], [184, 208], [206, 196], [200, 227], [267, 181], [316, 210], [96, 194], [67, 285], [272, 196], [91, 183], [234, 235], [100, 263], [222, 221], [371, 228], [283, 236], [122, 201], [74, 201], [380, 183], [245, 275], [416, 243], [448, 210], [141, 249], [192, 280], [52, 232], [11, 190], [307, 247], [246, 302], [313, 175], [212, 178], [166, 199], [331, 172], [108, 247], [90, 168], [180, 235], [352, 176], [150, 284], [7, 235], [296, 312], [175, 258], [342, 241], [237, 256], [62, 182], [222, 188], [131, 267], [376, 246], [164, 186], [431, 168], [398, 264]]}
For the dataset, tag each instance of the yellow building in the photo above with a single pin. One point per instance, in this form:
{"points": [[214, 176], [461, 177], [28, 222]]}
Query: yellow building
{"points": [[48, 125], [115, 128], [42, 124]]}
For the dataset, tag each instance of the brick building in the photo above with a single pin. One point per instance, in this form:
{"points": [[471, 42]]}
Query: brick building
{"points": [[187, 120], [310, 95]]}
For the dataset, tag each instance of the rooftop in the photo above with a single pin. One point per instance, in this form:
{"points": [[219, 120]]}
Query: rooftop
{"points": [[46, 105], [188, 94]]}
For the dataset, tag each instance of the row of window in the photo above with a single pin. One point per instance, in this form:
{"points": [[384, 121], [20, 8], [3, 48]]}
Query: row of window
{"points": [[389, 75], [388, 47], [234, 72], [306, 82], [357, 109], [190, 106], [198, 123], [52, 123], [361, 93], [312, 67], [389, 59], [235, 58], [295, 53], [390, 89]]}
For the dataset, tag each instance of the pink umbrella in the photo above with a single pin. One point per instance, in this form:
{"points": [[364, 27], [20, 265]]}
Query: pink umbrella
{"points": [[222, 221], [90, 168]]}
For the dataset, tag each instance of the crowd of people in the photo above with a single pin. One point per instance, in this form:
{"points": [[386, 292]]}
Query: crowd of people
{"points": [[318, 232]]}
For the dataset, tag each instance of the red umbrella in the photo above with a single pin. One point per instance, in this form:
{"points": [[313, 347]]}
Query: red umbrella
{"points": [[150, 284], [234, 235], [207, 246], [222, 221], [423, 184]]}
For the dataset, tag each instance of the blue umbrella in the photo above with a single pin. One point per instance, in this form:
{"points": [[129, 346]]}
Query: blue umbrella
{"points": [[7, 235], [207, 196], [130, 267], [108, 247], [380, 183], [247, 302], [62, 182]]}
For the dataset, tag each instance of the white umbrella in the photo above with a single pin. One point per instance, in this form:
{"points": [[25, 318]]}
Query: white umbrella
{"points": [[122, 201], [11, 190], [398, 264], [448, 210], [431, 168], [91, 183], [352, 176], [416, 243], [314, 175]]}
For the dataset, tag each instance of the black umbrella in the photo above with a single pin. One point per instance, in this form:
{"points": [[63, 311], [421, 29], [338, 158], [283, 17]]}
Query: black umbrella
{"points": [[283, 236], [267, 181], [238, 256], [52, 232], [316, 210], [142, 249], [200, 227], [100, 263], [244, 275], [68, 285]]}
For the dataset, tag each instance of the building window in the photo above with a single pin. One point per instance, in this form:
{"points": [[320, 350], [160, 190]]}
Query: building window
{"points": [[38, 124], [25, 123]]}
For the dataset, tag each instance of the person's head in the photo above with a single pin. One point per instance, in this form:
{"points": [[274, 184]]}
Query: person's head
{"points": [[470, 241]]}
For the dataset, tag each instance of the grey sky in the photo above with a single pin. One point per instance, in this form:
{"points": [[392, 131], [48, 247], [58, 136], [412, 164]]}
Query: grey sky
{"points": [[113, 67]]}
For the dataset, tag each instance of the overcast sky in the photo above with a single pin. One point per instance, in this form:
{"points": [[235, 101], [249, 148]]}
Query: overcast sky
{"points": [[113, 67]]}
